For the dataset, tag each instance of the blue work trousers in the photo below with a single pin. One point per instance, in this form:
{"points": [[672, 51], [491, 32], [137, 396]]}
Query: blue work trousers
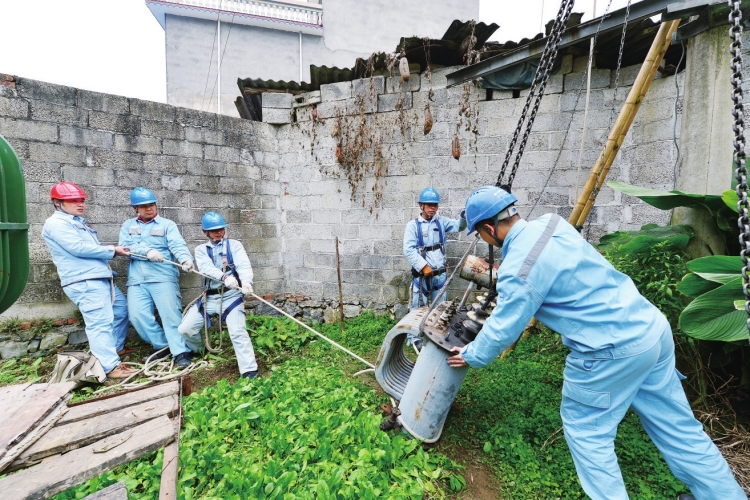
{"points": [[596, 395], [431, 285], [192, 324], [166, 298], [106, 322]]}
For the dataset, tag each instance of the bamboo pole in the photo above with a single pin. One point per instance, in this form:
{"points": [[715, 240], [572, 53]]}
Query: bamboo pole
{"points": [[341, 294], [624, 120]]}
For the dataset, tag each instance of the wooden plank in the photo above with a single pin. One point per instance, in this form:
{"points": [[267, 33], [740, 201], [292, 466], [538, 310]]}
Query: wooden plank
{"points": [[168, 486], [90, 409], [115, 491], [38, 431], [62, 438], [25, 408], [78, 466]]}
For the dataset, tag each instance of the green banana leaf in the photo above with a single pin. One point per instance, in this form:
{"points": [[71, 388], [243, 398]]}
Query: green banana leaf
{"points": [[671, 199], [713, 315], [694, 286], [720, 264], [720, 207], [731, 199], [631, 242]]}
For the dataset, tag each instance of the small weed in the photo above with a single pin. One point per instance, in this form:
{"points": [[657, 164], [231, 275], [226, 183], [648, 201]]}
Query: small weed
{"points": [[20, 371]]}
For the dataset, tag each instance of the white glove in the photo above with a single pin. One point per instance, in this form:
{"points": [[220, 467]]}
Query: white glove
{"points": [[154, 256], [187, 266], [231, 282], [247, 288]]}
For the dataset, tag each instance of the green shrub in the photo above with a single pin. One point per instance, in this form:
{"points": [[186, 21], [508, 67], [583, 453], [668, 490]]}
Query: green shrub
{"points": [[656, 273]]}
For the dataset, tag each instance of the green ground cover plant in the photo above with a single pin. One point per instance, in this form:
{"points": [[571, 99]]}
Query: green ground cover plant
{"points": [[306, 431], [19, 371]]}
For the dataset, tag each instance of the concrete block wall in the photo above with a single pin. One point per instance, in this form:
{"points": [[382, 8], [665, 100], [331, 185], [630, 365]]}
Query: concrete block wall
{"points": [[317, 207], [287, 198], [193, 161]]}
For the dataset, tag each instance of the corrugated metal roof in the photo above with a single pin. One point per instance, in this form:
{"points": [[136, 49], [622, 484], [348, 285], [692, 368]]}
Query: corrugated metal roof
{"points": [[451, 49], [446, 51]]}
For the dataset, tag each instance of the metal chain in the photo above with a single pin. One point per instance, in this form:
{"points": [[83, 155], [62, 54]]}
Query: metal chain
{"points": [[540, 78], [547, 72], [575, 106], [743, 221]]}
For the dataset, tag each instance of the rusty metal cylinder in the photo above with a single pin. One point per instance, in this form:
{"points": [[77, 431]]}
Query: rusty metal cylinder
{"points": [[477, 270], [429, 394]]}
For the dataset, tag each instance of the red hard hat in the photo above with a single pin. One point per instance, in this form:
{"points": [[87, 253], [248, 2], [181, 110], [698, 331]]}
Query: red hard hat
{"points": [[67, 191]]}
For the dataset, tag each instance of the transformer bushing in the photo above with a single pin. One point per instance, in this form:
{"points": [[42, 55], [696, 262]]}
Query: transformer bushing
{"points": [[427, 388]]}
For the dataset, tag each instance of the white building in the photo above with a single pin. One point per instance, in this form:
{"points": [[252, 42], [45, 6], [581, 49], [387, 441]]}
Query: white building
{"points": [[280, 39]]}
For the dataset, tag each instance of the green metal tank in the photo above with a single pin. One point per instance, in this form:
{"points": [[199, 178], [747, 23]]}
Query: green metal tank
{"points": [[14, 229]]}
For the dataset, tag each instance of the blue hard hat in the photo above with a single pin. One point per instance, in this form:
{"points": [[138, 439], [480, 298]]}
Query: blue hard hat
{"points": [[141, 196], [485, 203], [212, 220], [429, 195]]}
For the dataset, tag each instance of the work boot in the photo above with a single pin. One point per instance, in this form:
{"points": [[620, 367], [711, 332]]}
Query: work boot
{"points": [[251, 374], [156, 355], [126, 350], [685, 496], [121, 371], [183, 360]]}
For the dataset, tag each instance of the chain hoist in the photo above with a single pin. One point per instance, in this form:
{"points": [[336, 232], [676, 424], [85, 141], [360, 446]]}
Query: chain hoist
{"points": [[547, 61], [743, 221]]}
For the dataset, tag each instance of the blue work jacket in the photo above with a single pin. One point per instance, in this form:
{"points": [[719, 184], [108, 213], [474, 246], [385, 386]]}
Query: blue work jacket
{"points": [[431, 236], [214, 268], [549, 271], [157, 234], [75, 249]]}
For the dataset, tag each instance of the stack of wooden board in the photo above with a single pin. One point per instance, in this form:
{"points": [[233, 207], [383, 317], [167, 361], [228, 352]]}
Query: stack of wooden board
{"points": [[93, 437], [26, 412]]}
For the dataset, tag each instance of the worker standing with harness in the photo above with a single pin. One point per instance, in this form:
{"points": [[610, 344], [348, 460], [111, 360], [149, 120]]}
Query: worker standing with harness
{"points": [[226, 261], [424, 248]]}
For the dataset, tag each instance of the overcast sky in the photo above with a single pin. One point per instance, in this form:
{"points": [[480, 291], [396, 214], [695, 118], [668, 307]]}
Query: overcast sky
{"points": [[117, 46]]}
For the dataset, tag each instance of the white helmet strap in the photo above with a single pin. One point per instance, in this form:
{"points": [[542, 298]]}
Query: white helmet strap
{"points": [[508, 212]]}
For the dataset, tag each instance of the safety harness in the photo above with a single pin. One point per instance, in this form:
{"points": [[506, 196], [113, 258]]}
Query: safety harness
{"points": [[229, 267]]}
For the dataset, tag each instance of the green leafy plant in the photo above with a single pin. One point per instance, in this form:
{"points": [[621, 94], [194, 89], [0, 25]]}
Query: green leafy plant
{"points": [[656, 269], [307, 431], [19, 371], [721, 209], [274, 336], [635, 242], [715, 283]]}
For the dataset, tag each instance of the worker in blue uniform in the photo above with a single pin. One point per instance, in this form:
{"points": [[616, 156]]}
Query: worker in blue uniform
{"points": [[621, 348], [424, 248], [226, 261], [153, 283], [83, 266]]}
